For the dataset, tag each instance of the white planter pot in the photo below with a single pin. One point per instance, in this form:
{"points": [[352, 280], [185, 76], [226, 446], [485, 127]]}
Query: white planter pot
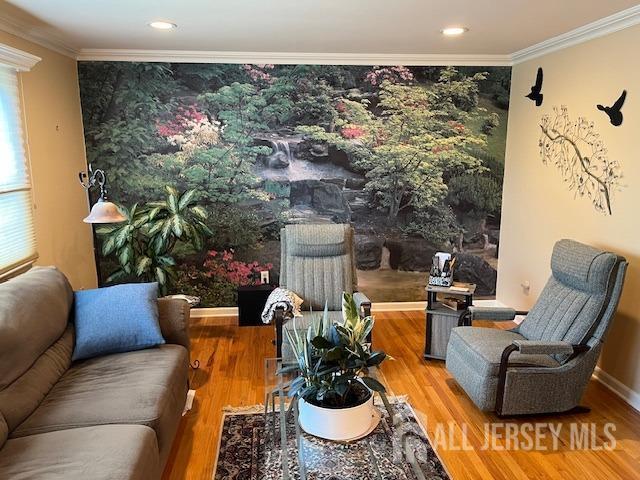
{"points": [[341, 424]]}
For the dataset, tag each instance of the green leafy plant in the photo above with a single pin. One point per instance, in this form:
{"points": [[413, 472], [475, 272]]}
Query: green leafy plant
{"points": [[144, 243], [333, 359]]}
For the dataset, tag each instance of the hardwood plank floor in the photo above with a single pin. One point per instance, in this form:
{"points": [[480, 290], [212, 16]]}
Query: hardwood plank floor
{"points": [[231, 373]]}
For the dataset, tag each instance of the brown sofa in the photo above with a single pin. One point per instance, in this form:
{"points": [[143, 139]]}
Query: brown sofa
{"points": [[111, 417]]}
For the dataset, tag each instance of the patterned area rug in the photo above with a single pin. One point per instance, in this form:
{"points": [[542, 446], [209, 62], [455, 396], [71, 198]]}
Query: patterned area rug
{"points": [[397, 449]]}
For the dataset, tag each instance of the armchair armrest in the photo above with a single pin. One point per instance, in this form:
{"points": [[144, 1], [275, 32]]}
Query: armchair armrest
{"points": [[496, 314], [363, 303], [173, 317], [535, 347], [531, 347]]}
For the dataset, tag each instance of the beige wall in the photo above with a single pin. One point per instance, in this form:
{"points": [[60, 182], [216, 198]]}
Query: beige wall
{"points": [[538, 208], [56, 145]]}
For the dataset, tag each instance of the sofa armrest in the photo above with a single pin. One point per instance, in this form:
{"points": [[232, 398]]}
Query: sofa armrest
{"points": [[173, 316], [540, 347], [495, 314], [363, 303]]}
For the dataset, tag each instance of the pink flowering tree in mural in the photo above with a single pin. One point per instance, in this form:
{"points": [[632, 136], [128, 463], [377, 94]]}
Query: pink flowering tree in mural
{"points": [[224, 265], [217, 155], [578, 152], [217, 279], [259, 73], [190, 130], [395, 74]]}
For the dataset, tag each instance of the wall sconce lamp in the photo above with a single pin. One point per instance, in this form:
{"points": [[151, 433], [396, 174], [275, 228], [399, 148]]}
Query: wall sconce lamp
{"points": [[102, 211]]}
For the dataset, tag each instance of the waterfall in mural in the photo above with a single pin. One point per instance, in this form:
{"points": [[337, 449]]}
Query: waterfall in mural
{"points": [[412, 157]]}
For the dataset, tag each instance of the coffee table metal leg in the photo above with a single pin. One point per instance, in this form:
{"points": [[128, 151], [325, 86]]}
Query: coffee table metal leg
{"points": [[273, 423], [301, 466], [283, 435], [373, 461]]}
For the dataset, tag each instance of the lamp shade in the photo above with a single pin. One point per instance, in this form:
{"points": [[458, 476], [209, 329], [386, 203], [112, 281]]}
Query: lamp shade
{"points": [[104, 212]]}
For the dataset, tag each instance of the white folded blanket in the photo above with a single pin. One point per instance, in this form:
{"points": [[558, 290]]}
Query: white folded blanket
{"points": [[281, 297]]}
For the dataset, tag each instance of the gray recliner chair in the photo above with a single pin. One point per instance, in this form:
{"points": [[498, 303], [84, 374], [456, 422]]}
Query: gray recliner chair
{"points": [[543, 365], [318, 264]]}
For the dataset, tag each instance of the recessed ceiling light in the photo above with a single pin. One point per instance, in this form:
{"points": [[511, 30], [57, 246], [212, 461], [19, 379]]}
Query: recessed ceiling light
{"points": [[453, 31], [160, 25]]}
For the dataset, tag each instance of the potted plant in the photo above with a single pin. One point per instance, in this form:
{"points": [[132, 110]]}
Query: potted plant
{"points": [[333, 386]]}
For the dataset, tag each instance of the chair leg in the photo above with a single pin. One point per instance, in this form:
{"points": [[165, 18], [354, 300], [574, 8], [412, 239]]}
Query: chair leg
{"points": [[279, 320]]}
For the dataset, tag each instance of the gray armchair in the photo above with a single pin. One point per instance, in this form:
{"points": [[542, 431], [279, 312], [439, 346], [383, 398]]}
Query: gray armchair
{"points": [[543, 365], [317, 263]]}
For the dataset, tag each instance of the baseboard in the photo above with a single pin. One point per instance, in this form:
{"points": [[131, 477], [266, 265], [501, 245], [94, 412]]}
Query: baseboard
{"points": [[397, 306], [214, 312], [616, 386], [375, 307]]}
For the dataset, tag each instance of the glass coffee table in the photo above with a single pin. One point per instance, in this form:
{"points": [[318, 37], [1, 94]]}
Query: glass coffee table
{"points": [[383, 454]]}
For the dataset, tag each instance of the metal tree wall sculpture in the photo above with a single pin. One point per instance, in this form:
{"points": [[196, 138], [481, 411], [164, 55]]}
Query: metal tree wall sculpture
{"points": [[581, 156]]}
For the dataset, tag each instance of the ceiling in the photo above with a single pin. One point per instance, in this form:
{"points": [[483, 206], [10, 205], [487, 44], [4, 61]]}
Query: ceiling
{"points": [[496, 27]]}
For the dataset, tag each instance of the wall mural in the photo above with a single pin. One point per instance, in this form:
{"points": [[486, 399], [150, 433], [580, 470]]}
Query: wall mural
{"points": [[578, 152], [209, 161]]}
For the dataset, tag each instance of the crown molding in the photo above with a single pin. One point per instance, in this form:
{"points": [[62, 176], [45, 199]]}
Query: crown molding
{"points": [[27, 32], [21, 61], [286, 58], [599, 28]]}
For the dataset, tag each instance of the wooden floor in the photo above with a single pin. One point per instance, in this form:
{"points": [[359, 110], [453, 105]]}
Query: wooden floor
{"points": [[231, 373]]}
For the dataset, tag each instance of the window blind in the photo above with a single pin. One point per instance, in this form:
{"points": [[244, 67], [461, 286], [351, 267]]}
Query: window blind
{"points": [[17, 233]]}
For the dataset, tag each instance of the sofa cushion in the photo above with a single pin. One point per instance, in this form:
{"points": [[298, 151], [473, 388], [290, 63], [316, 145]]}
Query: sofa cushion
{"points": [[146, 387], [34, 311], [482, 349], [116, 319], [107, 452], [22, 397]]}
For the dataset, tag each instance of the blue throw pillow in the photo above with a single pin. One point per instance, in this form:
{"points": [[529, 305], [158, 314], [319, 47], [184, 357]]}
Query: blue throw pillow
{"points": [[116, 319]]}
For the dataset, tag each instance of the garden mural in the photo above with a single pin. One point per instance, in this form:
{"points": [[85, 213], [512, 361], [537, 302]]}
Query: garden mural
{"points": [[209, 161]]}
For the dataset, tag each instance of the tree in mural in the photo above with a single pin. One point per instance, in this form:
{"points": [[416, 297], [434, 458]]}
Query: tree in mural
{"points": [[407, 151], [227, 166], [578, 152], [121, 102]]}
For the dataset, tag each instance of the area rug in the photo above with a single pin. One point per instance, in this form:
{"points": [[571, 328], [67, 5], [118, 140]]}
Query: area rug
{"points": [[398, 449]]}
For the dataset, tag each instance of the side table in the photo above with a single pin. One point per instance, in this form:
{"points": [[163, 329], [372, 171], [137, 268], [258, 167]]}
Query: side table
{"points": [[251, 301], [440, 320]]}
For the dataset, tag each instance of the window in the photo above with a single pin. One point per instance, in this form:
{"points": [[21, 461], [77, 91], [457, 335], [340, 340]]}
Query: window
{"points": [[17, 235]]}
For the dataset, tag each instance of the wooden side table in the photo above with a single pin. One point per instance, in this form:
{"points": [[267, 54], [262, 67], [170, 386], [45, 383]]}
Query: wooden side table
{"points": [[440, 320], [251, 301]]}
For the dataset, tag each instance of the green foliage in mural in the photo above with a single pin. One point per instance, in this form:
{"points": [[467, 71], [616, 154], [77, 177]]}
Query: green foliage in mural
{"points": [[417, 141], [229, 165], [121, 103], [478, 195]]}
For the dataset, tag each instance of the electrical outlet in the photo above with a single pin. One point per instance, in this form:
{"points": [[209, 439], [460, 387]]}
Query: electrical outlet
{"points": [[264, 277], [526, 287]]}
